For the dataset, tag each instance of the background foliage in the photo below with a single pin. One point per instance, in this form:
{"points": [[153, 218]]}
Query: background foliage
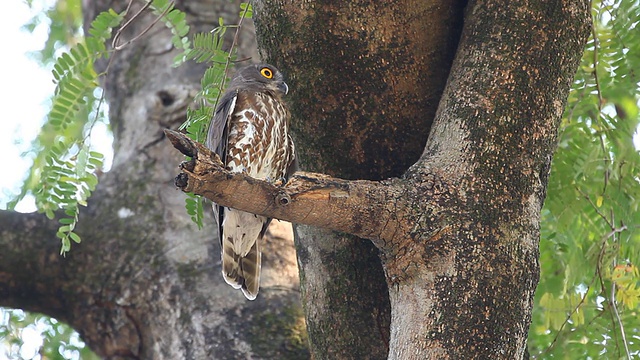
{"points": [[587, 300]]}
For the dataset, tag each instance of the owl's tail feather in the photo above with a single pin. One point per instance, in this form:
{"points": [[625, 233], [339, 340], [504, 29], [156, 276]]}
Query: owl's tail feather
{"points": [[241, 250]]}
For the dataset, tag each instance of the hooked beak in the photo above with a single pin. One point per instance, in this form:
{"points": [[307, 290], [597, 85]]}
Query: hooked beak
{"points": [[283, 87]]}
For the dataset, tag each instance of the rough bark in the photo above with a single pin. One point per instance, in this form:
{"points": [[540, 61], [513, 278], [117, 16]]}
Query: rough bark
{"points": [[366, 77], [460, 245], [145, 283]]}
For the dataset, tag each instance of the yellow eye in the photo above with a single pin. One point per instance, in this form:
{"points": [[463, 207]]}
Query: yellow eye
{"points": [[266, 72]]}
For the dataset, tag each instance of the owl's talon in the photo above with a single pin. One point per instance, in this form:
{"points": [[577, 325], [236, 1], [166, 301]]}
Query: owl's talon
{"points": [[280, 182]]}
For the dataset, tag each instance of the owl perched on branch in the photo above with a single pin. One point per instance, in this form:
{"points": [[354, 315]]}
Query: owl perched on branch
{"points": [[249, 132]]}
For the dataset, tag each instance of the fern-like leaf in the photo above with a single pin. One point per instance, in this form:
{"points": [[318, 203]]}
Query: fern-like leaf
{"points": [[208, 47], [176, 21], [62, 176]]}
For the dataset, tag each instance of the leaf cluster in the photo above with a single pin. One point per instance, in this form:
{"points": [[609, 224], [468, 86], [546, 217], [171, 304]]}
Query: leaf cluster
{"points": [[209, 48], [62, 176], [176, 21], [64, 22], [59, 340], [587, 302], [63, 173]]}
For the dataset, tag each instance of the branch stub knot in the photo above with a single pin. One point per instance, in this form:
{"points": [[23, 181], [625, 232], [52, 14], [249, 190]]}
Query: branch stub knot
{"points": [[283, 198]]}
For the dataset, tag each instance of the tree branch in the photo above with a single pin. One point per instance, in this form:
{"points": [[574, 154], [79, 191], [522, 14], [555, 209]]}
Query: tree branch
{"points": [[363, 208], [29, 246]]}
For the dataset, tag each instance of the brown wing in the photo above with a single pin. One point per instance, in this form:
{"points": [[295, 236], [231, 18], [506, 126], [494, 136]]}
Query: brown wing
{"points": [[217, 140]]}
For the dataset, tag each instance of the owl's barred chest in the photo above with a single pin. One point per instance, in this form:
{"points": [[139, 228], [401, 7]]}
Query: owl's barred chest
{"points": [[259, 143]]}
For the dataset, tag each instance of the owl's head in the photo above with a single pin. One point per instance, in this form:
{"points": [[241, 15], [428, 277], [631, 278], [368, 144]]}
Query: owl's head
{"points": [[260, 77]]}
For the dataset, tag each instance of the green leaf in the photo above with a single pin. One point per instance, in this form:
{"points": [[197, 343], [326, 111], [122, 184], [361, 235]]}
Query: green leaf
{"points": [[66, 221], [74, 237], [246, 10], [175, 20], [102, 26]]}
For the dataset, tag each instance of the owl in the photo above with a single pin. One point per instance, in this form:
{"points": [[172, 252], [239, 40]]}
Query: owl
{"points": [[249, 132]]}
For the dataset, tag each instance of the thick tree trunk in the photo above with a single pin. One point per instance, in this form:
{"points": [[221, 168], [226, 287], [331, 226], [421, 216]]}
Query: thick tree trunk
{"points": [[145, 283], [458, 233], [471, 294], [366, 77]]}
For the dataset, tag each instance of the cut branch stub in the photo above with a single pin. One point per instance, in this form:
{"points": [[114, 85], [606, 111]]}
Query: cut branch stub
{"points": [[181, 180], [283, 198], [181, 142]]}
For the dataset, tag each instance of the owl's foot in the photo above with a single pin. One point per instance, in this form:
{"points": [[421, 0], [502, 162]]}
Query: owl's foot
{"points": [[278, 182]]}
